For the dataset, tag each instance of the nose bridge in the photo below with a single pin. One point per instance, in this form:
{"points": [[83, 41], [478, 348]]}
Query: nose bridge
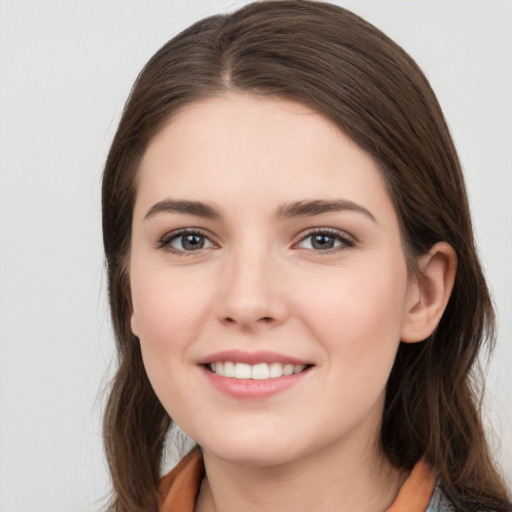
{"points": [[249, 292]]}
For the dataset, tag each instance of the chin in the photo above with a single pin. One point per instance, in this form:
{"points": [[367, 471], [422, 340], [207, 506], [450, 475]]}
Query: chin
{"points": [[254, 456], [251, 449]]}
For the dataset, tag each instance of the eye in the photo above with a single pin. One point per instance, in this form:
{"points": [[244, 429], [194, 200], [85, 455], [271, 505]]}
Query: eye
{"points": [[325, 240], [186, 241]]}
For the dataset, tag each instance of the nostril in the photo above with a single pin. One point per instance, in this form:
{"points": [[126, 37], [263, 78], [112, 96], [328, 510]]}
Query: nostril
{"points": [[263, 319]]}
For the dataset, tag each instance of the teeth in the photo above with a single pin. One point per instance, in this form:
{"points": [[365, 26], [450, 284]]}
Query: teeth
{"points": [[287, 369], [276, 369], [229, 369], [260, 371], [242, 371]]}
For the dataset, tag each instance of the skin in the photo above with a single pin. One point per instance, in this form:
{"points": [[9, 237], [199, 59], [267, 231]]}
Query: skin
{"points": [[259, 283]]}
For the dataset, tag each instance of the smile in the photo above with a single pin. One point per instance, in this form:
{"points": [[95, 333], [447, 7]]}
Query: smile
{"points": [[260, 371], [254, 375]]}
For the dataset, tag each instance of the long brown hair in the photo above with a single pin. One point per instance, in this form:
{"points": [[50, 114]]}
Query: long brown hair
{"points": [[344, 68]]}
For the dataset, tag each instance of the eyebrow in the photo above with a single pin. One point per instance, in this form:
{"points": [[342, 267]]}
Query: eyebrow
{"points": [[295, 209], [317, 207], [196, 208]]}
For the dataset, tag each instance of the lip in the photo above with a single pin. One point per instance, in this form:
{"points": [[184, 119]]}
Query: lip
{"points": [[252, 388], [252, 358]]}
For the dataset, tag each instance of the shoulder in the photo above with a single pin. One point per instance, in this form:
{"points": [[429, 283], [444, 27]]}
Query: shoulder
{"points": [[439, 502]]}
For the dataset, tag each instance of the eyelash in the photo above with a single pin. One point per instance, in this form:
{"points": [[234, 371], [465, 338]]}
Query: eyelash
{"points": [[346, 242], [166, 241], [338, 236]]}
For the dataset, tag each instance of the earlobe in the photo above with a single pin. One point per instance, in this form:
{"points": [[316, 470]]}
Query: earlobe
{"points": [[431, 292], [133, 324]]}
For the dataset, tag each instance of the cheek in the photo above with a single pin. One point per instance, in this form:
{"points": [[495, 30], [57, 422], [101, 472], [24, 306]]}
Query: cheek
{"points": [[358, 317], [167, 312], [164, 299]]}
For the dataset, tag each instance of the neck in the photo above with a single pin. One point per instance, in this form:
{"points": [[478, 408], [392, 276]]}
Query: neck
{"points": [[355, 481]]}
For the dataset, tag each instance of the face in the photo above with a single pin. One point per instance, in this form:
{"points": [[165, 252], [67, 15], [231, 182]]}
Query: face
{"points": [[269, 285]]}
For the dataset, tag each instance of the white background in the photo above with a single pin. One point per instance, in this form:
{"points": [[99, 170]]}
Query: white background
{"points": [[66, 69]]}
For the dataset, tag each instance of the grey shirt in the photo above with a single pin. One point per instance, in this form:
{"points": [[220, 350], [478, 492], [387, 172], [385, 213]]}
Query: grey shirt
{"points": [[439, 502]]}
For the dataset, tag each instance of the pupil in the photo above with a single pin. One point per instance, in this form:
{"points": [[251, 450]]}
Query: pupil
{"points": [[323, 242], [193, 242]]}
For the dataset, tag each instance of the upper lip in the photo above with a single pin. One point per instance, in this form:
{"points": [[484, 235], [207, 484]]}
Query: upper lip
{"points": [[252, 358]]}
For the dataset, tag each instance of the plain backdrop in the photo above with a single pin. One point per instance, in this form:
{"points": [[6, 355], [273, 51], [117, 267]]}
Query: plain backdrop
{"points": [[66, 67]]}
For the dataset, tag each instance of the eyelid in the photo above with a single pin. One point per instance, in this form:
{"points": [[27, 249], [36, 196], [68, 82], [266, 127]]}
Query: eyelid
{"points": [[347, 241], [165, 241]]}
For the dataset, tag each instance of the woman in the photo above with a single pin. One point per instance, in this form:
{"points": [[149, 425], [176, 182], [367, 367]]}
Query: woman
{"points": [[292, 276]]}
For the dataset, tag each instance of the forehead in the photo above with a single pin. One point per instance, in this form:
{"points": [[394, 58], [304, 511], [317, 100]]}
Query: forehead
{"points": [[233, 123], [237, 145]]}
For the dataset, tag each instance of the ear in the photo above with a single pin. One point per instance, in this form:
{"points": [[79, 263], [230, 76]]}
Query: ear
{"points": [[134, 325], [429, 292]]}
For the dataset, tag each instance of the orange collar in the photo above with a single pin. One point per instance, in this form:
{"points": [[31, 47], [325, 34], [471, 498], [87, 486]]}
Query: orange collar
{"points": [[179, 488], [415, 494]]}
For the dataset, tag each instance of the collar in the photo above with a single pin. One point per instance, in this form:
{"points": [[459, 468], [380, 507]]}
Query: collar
{"points": [[179, 488]]}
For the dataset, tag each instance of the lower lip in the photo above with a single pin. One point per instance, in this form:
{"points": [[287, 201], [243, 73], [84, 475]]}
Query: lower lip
{"points": [[253, 388]]}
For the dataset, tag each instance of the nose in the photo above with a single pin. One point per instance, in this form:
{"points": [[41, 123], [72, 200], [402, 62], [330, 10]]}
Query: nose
{"points": [[251, 295]]}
